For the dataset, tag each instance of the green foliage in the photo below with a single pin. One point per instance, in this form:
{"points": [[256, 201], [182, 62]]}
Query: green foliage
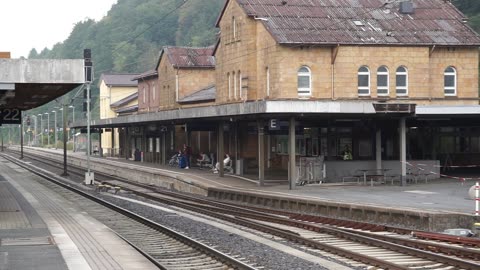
{"points": [[131, 36]]}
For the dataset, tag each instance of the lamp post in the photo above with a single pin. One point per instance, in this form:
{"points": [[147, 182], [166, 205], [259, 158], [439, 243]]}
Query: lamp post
{"points": [[41, 128], [55, 130], [73, 121], [48, 129], [34, 131]]}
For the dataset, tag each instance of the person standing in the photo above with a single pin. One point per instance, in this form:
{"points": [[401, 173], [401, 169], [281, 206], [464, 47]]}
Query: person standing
{"points": [[187, 152]]}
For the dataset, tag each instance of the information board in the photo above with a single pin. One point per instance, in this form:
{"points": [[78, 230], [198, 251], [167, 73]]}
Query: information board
{"points": [[10, 116]]}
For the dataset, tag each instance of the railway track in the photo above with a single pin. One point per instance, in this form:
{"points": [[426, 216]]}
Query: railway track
{"points": [[368, 245], [166, 248]]}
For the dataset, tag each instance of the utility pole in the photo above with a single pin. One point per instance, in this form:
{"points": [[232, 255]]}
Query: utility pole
{"points": [[55, 130], [48, 129], [87, 56], [65, 173]]}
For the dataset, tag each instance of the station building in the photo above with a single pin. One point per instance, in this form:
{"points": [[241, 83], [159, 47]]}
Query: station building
{"points": [[293, 86]]}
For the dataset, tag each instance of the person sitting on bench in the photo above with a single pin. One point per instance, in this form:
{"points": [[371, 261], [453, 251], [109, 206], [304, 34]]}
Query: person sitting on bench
{"points": [[204, 160], [226, 164]]}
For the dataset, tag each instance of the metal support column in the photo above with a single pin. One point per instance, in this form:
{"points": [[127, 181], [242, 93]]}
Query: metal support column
{"points": [[164, 149], [21, 138], [112, 146], [403, 150], [261, 153], [378, 148], [221, 151], [100, 146], [127, 140], [291, 152]]}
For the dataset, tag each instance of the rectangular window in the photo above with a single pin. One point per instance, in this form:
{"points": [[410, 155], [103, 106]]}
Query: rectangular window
{"points": [[382, 82], [303, 82], [363, 85], [449, 84], [401, 84], [157, 145]]}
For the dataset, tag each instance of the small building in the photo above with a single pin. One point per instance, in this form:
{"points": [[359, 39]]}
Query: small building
{"points": [[118, 96]]}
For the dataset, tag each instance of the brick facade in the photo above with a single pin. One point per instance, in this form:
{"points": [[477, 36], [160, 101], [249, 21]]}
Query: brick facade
{"points": [[252, 52]]}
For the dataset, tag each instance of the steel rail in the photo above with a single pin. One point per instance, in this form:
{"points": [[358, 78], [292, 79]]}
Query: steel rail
{"points": [[232, 262], [394, 244]]}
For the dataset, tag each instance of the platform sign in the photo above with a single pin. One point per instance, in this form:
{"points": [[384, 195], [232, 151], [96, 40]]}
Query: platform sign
{"points": [[10, 116]]}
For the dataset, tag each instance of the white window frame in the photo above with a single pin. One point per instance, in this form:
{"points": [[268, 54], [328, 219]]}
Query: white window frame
{"points": [[450, 88], [363, 88], [144, 95], [383, 88], [397, 87], [305, 91]]}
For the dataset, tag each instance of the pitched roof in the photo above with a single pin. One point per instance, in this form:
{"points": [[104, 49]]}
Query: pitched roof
{"points": [[124, 100], [372, 22], [146, 75], [208, 93], [126, 110], [188, 57], [119, 79]]}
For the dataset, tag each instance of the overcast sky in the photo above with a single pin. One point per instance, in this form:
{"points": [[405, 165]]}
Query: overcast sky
{"points": [[27, 24]]}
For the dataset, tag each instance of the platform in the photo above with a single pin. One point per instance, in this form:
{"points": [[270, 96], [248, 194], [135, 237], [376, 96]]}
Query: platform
{"points": [[41, 230], [439, 204]]}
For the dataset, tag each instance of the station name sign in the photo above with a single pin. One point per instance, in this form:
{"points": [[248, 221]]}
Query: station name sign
{"points": [[10, 116]]}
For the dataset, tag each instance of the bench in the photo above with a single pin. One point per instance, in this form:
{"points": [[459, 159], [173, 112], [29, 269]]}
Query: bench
{"points": [[352, 177]]}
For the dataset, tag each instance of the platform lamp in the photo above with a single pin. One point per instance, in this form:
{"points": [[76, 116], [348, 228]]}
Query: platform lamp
{"points": [[87, 56], [55, 134], [41, 128], [48, 128], [73, 121]]}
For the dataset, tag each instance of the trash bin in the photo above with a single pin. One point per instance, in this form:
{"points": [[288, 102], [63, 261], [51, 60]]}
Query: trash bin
{"points": [[239, 167]]}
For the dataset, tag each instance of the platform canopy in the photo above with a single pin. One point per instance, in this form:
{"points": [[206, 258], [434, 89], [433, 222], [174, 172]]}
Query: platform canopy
{"points": [[30, 83]]}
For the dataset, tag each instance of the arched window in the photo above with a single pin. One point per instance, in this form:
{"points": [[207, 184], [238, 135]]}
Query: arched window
{"points": [[154, 91], [450, 81], [234, 85], [402, 81], [382, 81], [229, 86], [239, 84], [234, 28], [304, 81], [363, 81]]}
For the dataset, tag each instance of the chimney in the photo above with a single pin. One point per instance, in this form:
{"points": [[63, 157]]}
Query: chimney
{"points": [[406, 7]]}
